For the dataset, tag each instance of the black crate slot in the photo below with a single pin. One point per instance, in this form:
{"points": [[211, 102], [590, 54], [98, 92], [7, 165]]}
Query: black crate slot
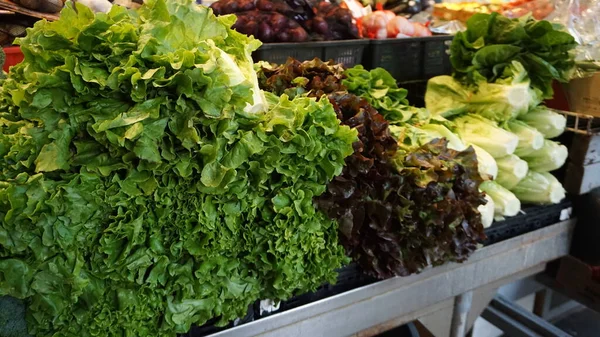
{"points": [[410, 59], [532, 218], [347, 52]]}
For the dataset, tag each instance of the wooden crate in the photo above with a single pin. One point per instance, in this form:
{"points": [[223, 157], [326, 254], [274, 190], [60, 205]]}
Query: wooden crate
{"points": [[578, 281], [583, 170], [584, 95]]}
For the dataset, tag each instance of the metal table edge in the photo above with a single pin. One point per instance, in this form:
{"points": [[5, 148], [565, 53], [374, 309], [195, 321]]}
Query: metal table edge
{"points": [[355, 296]]}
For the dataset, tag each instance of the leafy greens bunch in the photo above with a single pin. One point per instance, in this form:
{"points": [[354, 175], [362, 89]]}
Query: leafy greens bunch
{"points": [[510, 96], [395, 220], [492, 41], [504, 68], [145, 187], [314, 78], [398, 211], [381, 90]]}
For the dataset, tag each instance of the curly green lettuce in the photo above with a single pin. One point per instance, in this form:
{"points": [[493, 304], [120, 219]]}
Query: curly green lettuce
{"points": [[145, 187]]}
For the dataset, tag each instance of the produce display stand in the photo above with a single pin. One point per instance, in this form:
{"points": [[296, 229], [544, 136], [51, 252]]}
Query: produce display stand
{"points": [[446, 299]]}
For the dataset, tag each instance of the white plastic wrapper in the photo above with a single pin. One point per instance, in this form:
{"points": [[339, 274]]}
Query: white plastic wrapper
{"points": [[97, 6], [357, 9], [267, 306], [447, 27], [582, 19]]}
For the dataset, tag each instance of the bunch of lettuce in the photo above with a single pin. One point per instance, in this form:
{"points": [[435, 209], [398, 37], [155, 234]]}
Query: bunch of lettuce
{"points": [[505, 202], [401, 229], [143, 185], [508, 97], [316, 78], [381, 90], [492, 42], [549, 123], [397, 210], [487, 135], [540, 188], [313, 78], [410, 136]]}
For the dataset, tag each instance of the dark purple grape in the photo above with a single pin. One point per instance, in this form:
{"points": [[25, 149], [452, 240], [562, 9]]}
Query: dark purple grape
{"points": [[231, 7], [241, 20], [298, 34], [278, 21], [252, 27], [246, 5], [265, 5], [324, 8], [283, 36], [353, 31], [246, 23], [283, 8], [293, 24], [344, 16], [217, 7], [319, 25], [265, 32]]}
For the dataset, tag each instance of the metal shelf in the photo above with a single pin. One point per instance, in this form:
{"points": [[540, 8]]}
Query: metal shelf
{"points": [[398, 299]]}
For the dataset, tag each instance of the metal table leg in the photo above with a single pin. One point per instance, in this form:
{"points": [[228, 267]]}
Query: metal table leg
{"points": [[462, 306]]}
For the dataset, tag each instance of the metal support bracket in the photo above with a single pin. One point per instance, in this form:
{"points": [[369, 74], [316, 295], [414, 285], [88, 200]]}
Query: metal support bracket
{"points": [[462, 306], [518, 322]]}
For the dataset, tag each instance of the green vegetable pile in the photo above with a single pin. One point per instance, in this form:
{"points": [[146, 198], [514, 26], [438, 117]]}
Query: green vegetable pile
{"points": [[397, 205], [381, 90], [145, 187], [504, 68], [493, 41]]}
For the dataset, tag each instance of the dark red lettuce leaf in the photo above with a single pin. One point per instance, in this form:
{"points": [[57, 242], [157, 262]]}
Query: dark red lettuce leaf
{"points": [[315, 78], [397, 224]]}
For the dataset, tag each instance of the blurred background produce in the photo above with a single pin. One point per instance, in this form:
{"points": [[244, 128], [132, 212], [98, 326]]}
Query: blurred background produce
{"points": [[290, 20], [45, 6], [13, 26], [404, 7], [383, 24], [462, 11]]}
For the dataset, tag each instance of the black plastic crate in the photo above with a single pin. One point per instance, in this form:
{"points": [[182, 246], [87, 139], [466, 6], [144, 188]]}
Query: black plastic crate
{"points": [[532, 218], [416, 92], [347, 52], [349, 277], [409, 59], [209, 327]]}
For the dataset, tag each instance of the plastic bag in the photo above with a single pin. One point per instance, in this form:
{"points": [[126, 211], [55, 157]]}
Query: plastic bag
{"points": [[581, 18], [539, 9], [447, 27]]}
